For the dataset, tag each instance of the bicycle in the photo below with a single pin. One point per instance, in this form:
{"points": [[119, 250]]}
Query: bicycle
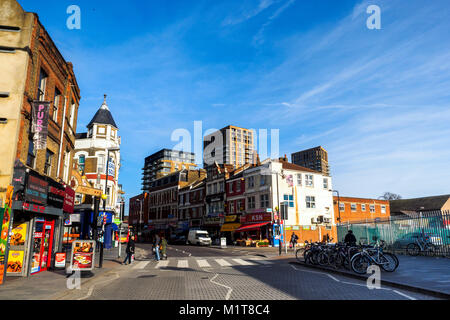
{"points": [[421, 246], [373, 255]]}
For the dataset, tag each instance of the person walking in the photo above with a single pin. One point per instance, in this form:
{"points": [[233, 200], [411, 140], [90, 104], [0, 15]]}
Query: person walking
{"points": [[163, 248], [294, 239], [350, 238], [157, 248], [129, 250]]}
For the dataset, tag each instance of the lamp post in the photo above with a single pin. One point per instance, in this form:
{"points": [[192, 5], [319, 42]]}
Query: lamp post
{"points": [[104, 203], [339, 211], [122, 207], [140, 219], [339, 205], [279, 212]]}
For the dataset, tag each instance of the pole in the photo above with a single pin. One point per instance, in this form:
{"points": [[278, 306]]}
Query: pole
{"points": [[286, 208], [279, 212], [104, 211], [120, 228]]}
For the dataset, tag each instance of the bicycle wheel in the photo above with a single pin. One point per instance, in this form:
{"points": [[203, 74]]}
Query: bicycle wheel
{"points": [[389, 262], [360, 263], [299, 254], [308, 255], [413, 249], [431, 250], [322, 259]]}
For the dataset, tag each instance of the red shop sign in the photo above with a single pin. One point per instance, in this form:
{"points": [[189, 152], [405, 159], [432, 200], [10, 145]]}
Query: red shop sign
{"points": [[257, 217], [69, 200]]}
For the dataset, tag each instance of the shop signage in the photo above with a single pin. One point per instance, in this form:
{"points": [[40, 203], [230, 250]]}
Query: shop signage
{"points": [[56, 195], [111, 168], [33, 207], [69, 200], [256, 217], [75, 217], [67, 222], [83, 255], [60, 260], [212, 220], [230, 218], [40, 111], [36, 190], [306, 227]]}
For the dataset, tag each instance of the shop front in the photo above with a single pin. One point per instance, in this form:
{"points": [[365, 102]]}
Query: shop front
{"points": [[37, 220], [255, 229], [232, 222], [212, 224]]}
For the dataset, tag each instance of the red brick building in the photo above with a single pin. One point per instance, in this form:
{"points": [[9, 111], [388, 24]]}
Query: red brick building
{"points": [[360, 209]]}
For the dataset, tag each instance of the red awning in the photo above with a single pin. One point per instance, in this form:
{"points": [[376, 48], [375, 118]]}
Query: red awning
{"points": [[250, 227]]}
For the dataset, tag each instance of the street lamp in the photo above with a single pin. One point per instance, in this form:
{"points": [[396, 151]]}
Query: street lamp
{"points": [[279, 211], [104, 203], [339, 205], [140, 218]]}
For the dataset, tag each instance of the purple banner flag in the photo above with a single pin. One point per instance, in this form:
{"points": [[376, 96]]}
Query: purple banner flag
{"points": [[39, 127]]}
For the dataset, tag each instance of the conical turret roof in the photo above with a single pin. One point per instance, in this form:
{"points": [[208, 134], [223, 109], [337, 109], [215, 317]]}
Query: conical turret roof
{"points": [[103, 116]]}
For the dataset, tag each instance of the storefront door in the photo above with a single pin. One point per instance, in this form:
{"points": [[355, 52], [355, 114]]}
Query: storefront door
{"points": [[42, 246]]}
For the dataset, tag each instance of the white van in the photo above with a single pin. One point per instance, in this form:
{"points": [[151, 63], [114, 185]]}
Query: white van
{"points": [[199, 237]]}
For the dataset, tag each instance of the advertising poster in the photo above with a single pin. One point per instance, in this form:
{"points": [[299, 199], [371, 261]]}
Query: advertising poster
{"points": [[15, 262], [40, 114], [290, 180], [5, 213], [36, 189], [19, 235], [60, 260], [83, 255]]}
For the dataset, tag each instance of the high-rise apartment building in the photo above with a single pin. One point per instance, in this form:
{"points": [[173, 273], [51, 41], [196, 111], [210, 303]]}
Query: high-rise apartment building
{"points": [[314, 158], [231, 145], [164, 162]]}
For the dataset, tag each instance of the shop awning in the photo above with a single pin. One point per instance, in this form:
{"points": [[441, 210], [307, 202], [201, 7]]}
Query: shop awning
{"points": [[250, 227], [229, 227]]}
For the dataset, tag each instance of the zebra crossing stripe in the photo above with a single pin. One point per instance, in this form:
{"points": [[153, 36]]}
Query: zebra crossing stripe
{"points": [[260, 261], [223, 263], [141, 265], [203, 264], [162, 264], [183, 264], [243, 262]]}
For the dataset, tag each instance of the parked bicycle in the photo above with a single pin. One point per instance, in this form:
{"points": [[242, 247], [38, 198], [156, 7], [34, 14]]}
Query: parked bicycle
{"points": [[374, 255], [421, 245]]}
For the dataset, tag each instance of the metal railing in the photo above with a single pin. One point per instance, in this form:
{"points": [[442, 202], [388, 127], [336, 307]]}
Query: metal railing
{"points": [[400, 231]]}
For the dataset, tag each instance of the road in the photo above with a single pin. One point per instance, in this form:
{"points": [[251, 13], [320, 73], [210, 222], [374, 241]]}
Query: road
{"points": [[199, 273]]}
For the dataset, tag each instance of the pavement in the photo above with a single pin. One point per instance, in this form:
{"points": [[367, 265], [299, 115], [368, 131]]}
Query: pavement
{"points": [[215, 273], [48, 284]]}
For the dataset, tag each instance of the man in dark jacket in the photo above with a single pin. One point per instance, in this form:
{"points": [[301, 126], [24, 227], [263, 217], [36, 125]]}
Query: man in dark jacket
{"points": [[350, 238], [129, 250]]}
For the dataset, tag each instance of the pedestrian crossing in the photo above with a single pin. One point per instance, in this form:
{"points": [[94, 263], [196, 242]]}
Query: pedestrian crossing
{"points": [[202, 263]]}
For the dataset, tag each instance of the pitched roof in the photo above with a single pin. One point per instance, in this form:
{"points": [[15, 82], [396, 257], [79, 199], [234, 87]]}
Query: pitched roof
{"points": [[419, 204], [290, 166], [103, 116]]}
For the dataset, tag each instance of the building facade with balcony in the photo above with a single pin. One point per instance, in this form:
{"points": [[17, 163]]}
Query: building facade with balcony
{"points": [[314, 158]]}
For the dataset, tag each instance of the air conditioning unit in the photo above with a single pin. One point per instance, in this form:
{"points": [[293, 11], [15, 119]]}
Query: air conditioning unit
{"points": [[320, 219], [314, 220], [327, 220]]}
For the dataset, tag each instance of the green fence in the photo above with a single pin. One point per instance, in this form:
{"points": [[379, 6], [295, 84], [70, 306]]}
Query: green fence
{"points": [[400, 231]]}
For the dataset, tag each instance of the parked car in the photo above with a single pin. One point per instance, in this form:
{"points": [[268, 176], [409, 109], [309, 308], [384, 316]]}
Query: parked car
{"points": [[199, 237]]}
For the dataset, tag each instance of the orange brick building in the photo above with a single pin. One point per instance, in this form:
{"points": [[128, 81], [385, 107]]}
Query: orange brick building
{"points": [[359, 209]]}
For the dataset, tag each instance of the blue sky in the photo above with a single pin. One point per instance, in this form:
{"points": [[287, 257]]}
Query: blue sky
{"points": [[377, 100]]}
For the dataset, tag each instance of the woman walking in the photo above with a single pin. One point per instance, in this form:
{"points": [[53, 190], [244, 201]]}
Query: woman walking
{"points": [[163, 248]]}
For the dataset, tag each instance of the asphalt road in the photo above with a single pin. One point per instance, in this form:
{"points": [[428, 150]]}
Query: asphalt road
{"points": [[201, 273]]}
